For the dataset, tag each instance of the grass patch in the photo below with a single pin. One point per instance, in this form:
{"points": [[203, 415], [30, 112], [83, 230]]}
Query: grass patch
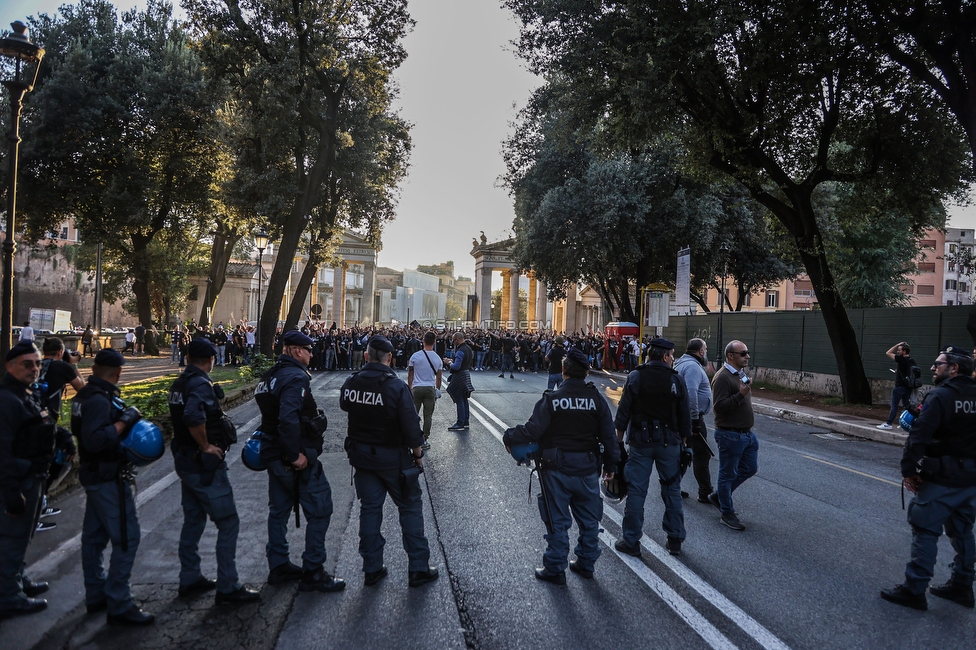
{"points": [[833, 401], [151, 396]]}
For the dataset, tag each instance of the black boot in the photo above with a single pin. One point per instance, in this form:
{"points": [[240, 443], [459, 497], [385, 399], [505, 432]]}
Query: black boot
{"points": [[956, 592], [900, 595]]}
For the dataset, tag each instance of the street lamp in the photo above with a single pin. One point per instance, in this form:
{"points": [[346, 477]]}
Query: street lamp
{"points": [[260, 242], [724, 250], [19, 62]]}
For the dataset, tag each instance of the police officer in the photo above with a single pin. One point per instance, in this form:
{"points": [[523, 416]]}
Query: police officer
{"points": [[571, 425], [99, 419], [654, 414], [385, 446], [293, 428], [939, 467], [26, 447], [202, 435]]}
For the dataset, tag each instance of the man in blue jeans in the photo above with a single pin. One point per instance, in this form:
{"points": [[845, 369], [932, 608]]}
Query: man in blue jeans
{"points": [[738, 447], [902, 392]]}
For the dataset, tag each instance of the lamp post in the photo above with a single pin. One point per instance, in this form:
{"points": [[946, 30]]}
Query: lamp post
{"points": [[260, 242], [724, 250], [19, 62]]}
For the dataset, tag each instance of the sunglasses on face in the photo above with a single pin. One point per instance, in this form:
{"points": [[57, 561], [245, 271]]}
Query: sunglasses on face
{"points": [[744, 353]]}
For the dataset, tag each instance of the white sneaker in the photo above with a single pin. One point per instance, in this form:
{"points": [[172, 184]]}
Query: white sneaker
{"points": [[884, 425]]}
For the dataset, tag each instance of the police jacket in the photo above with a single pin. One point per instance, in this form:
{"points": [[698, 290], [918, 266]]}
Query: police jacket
{"points": [[574, 418], [284, 396], [94, 411], [654, 406], [381, 417], [26, 436], [941, 446], [193, 400]]}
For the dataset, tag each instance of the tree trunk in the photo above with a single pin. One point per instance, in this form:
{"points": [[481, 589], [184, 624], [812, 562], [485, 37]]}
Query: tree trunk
{"points": [[301, 291], [140, 289], [626, 308], [223, 246]]}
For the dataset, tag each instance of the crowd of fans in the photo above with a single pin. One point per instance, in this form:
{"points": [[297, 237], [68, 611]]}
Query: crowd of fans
{"points": [[338, 348]]}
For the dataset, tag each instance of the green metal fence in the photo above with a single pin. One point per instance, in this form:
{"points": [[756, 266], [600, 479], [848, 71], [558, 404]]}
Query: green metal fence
{"points": [[797, 340]]}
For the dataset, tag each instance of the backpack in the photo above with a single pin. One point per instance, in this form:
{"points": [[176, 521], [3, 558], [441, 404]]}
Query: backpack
{"points": [[914, 376]]}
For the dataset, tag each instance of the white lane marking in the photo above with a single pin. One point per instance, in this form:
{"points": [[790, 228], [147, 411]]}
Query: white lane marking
{"points": [[488, 413], [852, 471], [708, 632], [50, 562], [492, 430], [749, 625], [733, 612]]}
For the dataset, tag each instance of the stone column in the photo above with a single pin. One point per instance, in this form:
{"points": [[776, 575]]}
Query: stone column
{"points": [[533, 298], [339, 295], [541, 308], [513, 304], [484, 296], [369, 288], [570, 312], [506, 294]]}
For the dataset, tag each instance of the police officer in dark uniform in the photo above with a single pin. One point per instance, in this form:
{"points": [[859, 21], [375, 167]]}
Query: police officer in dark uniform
{"points": [[385, 446], [572, 425], [100, 419], [939, 467], [26, 450], [653, 412], [202, 434], [293, 428]]}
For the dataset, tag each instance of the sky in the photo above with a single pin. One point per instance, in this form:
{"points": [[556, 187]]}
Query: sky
{"points": [[461, 87]]}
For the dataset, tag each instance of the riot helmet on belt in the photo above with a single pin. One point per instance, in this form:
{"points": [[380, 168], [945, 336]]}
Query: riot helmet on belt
{"points": [[251, 453]]}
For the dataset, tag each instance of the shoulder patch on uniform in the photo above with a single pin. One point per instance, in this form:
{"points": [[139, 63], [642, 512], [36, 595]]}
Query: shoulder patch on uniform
{"points": [[674, 389]]}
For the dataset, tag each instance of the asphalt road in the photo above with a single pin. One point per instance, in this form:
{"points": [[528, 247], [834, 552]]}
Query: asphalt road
{"points": [[825, 532]]}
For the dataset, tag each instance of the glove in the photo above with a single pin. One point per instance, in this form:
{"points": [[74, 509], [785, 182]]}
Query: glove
{"points": [[16, 504], [130, 416], [698, 426]]}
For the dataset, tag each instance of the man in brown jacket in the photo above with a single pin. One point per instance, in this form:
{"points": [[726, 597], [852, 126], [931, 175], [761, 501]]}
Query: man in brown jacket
{"points": [[738, 447]]}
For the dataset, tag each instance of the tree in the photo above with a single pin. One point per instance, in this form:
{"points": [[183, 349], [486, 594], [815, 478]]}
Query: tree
{"points": [[777, 95], [617, 220], [299, 68], [117, 135]]}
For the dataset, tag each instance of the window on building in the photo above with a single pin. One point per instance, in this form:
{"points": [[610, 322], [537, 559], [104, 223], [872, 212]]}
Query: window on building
{"points": [[747, 300], [952, 248], [950, 285], [194, 293], [803, 288], [908, 289], [64, 232], [948, 303], [963, 286], [925, 290], [950, 266], [772, 299], [926, 267], [927, 243]]}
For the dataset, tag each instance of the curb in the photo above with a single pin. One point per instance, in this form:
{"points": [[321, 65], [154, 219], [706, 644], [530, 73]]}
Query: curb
{"points": [[894, 436]]}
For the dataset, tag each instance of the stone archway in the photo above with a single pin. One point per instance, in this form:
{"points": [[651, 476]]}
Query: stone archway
{"points": [[497, 256]]}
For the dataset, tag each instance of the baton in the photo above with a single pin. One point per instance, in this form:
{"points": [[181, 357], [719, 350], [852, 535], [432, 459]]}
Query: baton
{"points": [[705, 440], [298, 521], [122, 514], [545, 496]]}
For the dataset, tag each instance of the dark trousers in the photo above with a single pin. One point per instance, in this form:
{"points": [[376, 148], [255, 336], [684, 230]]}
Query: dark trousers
{"points": [[702, 456], [372, 488], [315, 499]]}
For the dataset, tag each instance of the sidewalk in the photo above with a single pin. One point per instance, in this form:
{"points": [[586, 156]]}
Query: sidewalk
{"points": [[850, 425]]}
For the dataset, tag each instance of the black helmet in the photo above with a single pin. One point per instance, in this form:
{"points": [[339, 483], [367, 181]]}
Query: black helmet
{"points": [[615, 490]]}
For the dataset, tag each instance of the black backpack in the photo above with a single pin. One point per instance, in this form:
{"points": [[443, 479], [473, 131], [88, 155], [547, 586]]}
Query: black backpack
{"points": [[914, 376]]}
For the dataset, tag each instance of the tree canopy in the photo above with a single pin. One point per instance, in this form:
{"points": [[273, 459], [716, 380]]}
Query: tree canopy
{"points": [[778, 96]]}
